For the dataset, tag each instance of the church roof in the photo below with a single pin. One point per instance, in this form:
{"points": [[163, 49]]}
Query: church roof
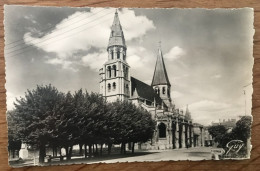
{"points": [[160, 76], [144, 90], [116, 36]]}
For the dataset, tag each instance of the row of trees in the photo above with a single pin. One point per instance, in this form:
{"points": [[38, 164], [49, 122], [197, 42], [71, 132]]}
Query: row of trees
{"points": [[47, 117], [242, 131]]}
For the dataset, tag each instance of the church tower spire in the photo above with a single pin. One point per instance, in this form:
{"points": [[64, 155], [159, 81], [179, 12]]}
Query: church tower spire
{"points": [[115, 77], [116, 45], [160, 74], [160, 82], [116, 34], [187, 114]]}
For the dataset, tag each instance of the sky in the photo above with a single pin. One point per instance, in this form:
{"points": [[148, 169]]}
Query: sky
{"points": [[207, 53]]}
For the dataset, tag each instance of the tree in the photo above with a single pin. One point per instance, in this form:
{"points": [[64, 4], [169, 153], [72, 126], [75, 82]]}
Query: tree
{"points": [[35, 115], [66, 127], [127, 123], [14, 143], [242, 131], [144, 127], [217, 132]]}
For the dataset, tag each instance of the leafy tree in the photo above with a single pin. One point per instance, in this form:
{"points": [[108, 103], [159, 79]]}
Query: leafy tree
{"points": [[217, 132], [242, 131], [129, 124], [144, 127], [35, 115], [47, 117], [14, 143], [66, 128]]}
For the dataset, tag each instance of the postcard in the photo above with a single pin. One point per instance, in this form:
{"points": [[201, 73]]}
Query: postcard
{"points": [[90, 85]]}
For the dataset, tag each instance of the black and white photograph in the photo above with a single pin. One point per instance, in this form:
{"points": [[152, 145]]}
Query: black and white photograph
{"points": [[106, 85]]}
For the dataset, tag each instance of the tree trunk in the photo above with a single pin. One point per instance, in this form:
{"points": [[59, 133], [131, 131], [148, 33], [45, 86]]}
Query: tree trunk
{"points": [[85, 149], [101, 148], [121, 149], [70, 152], [42, 153], [80, 149], [124, 149], [133, 148], [90, 149], [109, 148], [53, 151], [96, 149], [13, 151], [56, 151], [67, 152]]}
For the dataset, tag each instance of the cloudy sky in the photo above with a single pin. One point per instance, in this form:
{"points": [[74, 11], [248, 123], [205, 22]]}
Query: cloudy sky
{"points": [[208, 53]]}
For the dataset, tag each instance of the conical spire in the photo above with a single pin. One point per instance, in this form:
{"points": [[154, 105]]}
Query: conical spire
{"points": [[187, 114], [117, 36], [160, 76]]}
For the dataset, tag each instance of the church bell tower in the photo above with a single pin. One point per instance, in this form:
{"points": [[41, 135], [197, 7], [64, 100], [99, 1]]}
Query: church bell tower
{"points": [[115, 74], [161, 83]]}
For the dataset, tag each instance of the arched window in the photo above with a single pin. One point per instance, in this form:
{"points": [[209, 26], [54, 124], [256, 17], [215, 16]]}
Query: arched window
{"points": [[163, 90], [109, 71], [114, 85], [118, 54], [127, 88], [112, 54], [162, 130], [156, 91], [124, 55], [109, 87], [126, 72], [114, 68]]}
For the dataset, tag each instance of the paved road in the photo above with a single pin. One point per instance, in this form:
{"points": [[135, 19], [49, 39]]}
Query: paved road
{"points": [[197, 153]]}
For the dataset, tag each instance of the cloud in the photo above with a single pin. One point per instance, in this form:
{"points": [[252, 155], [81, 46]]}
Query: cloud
{"points": [[30, 18], [64, 63], [174, 53], [135, 61], [206, 111], [207, 105], [10, 99], [130, 23], [216, 76], [90, 30], [176, 94], [95, 60], [137, 57]]}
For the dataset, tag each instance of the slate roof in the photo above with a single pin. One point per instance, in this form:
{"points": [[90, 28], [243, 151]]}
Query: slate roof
{"points": [[144, 90], [116, 35], [160, 76]]}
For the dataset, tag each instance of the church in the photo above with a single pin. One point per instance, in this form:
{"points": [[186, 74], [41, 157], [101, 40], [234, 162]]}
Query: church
{"points": [[174, 128]]}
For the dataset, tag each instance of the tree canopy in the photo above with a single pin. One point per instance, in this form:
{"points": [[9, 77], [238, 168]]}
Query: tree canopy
{"points": [[241, 131], [47, 117]]}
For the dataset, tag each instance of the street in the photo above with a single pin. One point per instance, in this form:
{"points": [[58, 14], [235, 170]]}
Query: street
{"points": [[197, 153]]}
